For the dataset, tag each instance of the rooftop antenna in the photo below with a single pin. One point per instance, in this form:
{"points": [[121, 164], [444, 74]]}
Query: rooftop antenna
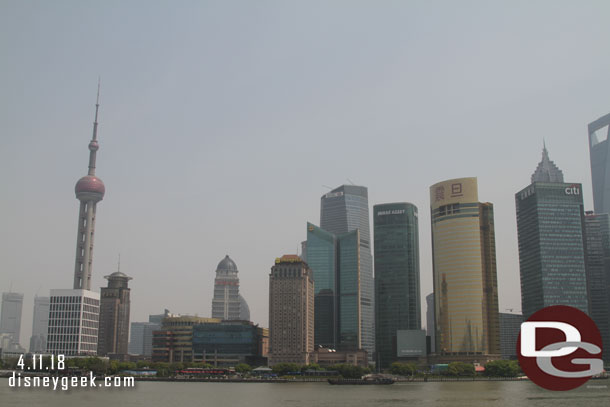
{"points": [[118, 268]]}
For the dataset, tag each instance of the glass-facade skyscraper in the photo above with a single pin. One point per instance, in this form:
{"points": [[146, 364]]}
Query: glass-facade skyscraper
{"points": [[397, 298], [322, 259], [597, 228], [343, 210], [550, 227], [464, 263], [334, 260], [599, 149]]}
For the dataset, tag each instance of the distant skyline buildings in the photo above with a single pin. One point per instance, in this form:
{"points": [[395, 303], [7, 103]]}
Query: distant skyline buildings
{"points": [[397, 288], [550, 229], [599, 149], [343, 210], [228, 303], [10, 317], [464, 270], [40, 324]]}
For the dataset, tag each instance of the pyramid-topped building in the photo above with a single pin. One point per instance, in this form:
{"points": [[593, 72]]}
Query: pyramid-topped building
{"points": [[547, 171]]}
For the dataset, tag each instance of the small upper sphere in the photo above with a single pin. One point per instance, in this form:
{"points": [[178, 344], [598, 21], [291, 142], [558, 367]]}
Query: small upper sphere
{"points": [[93, 145], [90, 184]]}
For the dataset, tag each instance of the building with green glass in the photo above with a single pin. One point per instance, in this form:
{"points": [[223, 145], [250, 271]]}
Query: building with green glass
{"points": [[551, 228], [335, 262], [397, 297]]}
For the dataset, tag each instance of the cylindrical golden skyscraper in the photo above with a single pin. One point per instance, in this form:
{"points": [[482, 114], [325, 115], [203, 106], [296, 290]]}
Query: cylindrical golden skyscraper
{"points": [[464, 261]]}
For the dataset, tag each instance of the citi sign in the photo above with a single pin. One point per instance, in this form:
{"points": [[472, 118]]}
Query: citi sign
{"points": [[560, 348], [572, 190]]}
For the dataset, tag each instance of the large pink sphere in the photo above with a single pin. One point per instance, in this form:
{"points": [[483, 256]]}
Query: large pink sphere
{"points": [[90, 184]]}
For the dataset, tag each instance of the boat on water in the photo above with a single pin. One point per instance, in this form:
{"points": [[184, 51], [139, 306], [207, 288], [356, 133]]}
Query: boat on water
{"points": [[377, 380]]}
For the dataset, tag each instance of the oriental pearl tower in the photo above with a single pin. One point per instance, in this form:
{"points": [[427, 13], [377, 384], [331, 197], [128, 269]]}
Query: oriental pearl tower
{"points": [[89, 191]]}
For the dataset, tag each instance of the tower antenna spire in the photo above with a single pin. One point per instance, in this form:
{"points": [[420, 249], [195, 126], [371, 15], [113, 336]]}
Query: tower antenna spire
{"points": [[93, 145]]}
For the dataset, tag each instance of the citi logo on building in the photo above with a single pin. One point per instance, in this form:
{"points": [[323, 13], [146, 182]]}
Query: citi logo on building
{"points": [[560, 348], [572, 190]]}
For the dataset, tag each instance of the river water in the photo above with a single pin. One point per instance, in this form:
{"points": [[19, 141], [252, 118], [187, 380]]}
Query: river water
{"points": [[167, 394]]}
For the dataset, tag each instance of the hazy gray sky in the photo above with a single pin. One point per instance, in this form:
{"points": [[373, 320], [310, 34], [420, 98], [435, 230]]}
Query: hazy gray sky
{"points": [[221, 120]]}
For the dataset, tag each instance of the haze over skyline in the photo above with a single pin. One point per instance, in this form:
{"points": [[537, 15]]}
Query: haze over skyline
{"points": [[221, 122]]}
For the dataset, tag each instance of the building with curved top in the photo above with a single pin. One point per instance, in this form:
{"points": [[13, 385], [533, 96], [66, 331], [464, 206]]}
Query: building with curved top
{"points": [[114, 315], [227, 303]]}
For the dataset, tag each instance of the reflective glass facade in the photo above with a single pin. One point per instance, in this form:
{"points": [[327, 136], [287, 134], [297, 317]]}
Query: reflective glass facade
{"points": [[599, 147], [550, 226], [349, 291], [344, 210], [597, 227], [226, 341], [397, 298], [321, 258]]}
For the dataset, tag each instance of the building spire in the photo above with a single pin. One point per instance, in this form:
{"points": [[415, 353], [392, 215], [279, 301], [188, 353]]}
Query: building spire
{"points": [[547, 171], [93, 145]]}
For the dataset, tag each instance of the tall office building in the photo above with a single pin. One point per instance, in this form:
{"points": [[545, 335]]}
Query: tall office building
{"points": [[114, 315], [430, 325], [334, 260], [40, 325], [599, 149], [227, 303], [397, 298], [597, 255], [550, 226], [74, 314], [10, 317], [73, 322], [345, 209], [291, 311], [510, 326], [464, 262]]}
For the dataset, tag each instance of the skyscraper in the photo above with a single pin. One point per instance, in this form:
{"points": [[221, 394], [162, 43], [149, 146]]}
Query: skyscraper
{"points": [[114, 315], [291, 311], [40, 325], [343, 210], [599, 149], [227, 303], [597, 254], [322, 259], [334, 260], [10, 316], [464, 263], [74, 314], [550, 226], [397, 298]]}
